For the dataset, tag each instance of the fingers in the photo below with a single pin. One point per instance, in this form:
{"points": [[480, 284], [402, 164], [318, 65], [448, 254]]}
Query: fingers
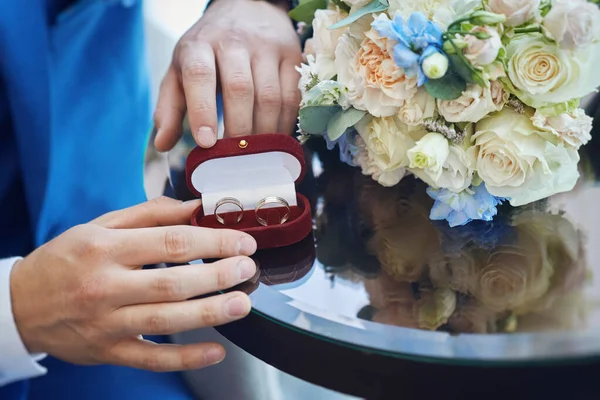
{"points": [[183, 282], [162, 211], [238, 90], [289, 78], [178, 244], [199, 79], [267, 104], [169, 113], [143, 354], [170, 318]]}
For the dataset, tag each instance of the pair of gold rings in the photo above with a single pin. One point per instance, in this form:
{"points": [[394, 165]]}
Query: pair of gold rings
{"points": [[259, 206]]}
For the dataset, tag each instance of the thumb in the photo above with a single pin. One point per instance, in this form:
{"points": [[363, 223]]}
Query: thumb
{"points": [[162, 211]]}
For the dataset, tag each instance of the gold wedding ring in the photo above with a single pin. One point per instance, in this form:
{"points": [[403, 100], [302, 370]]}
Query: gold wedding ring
{"points": [[229, 200], [272, 200]]}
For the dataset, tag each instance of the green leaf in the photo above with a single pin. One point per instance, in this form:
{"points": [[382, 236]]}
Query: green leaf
{"points": [[305, 11], [343, 120], [373, 7], [450, 87], [465, 70], [314, 119]]}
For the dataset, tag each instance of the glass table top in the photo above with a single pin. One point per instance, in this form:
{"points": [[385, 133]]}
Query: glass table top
{"points": [[377, 275]]}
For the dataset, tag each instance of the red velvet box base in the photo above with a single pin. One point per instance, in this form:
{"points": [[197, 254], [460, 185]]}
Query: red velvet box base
{"points": [[274, 147], [298, 226]]}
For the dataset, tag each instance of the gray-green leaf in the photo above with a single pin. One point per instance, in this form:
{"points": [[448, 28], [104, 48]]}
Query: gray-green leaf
{"points": [[305, 11], [449, 87], [314, 119], [373, 7], [343, 120], [466, 71]]}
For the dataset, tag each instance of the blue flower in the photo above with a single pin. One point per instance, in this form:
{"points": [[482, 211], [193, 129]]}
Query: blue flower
{"points": [[417, 39], [475, 203], [345, 145]]}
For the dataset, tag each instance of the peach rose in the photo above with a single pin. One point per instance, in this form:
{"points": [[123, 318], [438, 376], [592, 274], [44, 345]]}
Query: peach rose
{"points": [[376, 84]]}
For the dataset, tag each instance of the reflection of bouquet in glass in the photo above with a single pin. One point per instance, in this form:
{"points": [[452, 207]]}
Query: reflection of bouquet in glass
{"points": [[477, 98], [523, 271]]}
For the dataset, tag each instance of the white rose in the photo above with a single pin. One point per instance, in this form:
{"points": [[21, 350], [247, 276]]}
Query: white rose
{"points": [[429, 155], [325, 41], [475, 103], [365, 159], [543, 74], [574, 24], [573, 128], [456, 172], [386, 141], [515, 162], [439, 11], [420, 107], [375, 83], [483, 52], [517, 12]]}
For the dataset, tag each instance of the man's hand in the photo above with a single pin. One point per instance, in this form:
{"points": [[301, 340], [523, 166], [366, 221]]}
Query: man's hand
{"points": [[247, 49], [84, 298]]}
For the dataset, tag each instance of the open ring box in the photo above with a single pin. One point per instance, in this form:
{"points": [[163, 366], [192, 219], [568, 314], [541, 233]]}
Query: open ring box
{"points": [[249, 169]]}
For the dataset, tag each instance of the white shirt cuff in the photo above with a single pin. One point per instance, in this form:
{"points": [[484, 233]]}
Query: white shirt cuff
{"points": [[16, 363]]}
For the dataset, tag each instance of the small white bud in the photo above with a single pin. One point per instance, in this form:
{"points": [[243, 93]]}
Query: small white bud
{"points": [[435, 66]]}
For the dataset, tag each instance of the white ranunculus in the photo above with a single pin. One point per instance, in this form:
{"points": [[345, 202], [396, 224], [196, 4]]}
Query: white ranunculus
{"points": [[375, 83], [573, 128], [517, 163], [574, 24], [482, 52], [475, 103], [420, 107], [543, 74], [325, 41], [439, 11], [517, 12], [386, 141]]}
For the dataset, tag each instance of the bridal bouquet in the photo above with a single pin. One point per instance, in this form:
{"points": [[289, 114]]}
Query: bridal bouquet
{"points": [[477, 98]]}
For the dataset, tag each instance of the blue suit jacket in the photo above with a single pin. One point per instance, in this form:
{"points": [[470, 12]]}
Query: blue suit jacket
{"points": [[74, 117]]}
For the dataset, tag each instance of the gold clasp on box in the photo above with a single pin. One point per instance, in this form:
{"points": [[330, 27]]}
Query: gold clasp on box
{"points": [[243, 144]]}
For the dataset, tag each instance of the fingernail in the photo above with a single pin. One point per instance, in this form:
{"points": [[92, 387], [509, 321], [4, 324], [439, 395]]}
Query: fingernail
{"points": [[247, 246], [236, 307], [214, 356], [206, 137], [246, 268]]}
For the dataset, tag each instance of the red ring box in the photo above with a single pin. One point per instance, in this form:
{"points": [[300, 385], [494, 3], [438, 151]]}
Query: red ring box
{"points": [[249, 169]]}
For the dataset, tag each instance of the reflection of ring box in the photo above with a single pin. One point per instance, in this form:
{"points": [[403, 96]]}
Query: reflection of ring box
{"points": [[286, 264], [249, 169], [289, 266]]}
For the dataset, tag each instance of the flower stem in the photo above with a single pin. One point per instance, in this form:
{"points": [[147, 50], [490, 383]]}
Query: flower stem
{"points": [[536, 29]]}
